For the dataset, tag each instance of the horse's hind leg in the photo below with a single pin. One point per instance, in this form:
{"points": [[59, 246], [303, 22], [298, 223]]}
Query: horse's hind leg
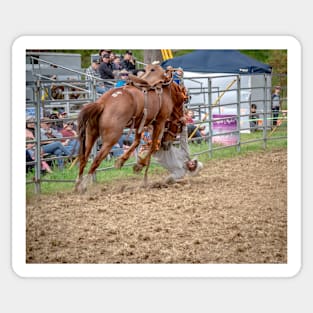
{"points": [[83, 159], [86, 180]]}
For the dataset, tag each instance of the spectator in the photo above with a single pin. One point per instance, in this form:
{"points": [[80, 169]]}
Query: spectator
{"points": [[116, 66], [129, 62], [112, 56], [254, 117], [70, 144], [146, 138], [123, 76], [191, 126], [116, 63], [106, 72], [31, 156], [275, 105], [102, 52], [57, 125], [178, 76], [52, 147], [93, 73], [122, 145], [30, 127], [31, 148]]}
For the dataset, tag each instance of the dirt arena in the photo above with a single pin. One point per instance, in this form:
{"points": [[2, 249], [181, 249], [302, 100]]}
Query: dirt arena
{"points": [[234, 212]]}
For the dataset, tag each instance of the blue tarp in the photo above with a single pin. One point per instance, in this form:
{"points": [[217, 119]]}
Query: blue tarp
{"points": [[218, 61]]}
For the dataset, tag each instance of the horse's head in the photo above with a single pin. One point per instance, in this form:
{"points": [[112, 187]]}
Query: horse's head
{"points": [[154, 74]]}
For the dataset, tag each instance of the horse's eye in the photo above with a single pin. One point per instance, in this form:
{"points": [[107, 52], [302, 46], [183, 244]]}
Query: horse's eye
{"points": [[152, 70]]}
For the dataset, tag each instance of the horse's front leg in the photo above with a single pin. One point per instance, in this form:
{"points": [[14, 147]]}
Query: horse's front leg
{"points": [[142, 162]]}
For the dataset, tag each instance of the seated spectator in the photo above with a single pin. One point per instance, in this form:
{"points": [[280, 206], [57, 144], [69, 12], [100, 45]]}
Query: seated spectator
{"points": [[30, 127], [116, 66], [70, 144], [93, 73], [123, 76], [31, 156], [128, 63], [146, 138], [57, 125], [122, 145], [116, 63], [31, 148], [52, 147], [191, 126], [254, 117]]}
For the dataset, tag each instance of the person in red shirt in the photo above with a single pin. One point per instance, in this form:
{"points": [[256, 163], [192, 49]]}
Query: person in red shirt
{"points": [[191, 126], [71, 143]]}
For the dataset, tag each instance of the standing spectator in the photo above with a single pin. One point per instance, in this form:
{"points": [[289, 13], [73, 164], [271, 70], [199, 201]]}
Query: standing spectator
{"points": [[254, 117], [275, 104], [102, 52], [129, 62], [93, 73], [105, 71]]}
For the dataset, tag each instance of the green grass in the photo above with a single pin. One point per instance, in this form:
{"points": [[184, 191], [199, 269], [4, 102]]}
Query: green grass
{"points": [[127, 172]]}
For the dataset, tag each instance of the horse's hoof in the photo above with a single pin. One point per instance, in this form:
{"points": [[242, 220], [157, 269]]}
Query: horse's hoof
{"points": [[80, 188]]}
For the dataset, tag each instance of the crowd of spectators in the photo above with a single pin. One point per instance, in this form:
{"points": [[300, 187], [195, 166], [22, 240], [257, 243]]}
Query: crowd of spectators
{"points": [[58, 138], [111, 67]]}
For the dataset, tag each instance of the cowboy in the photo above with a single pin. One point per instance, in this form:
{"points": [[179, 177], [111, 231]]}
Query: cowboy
{"points": [[177, 160]]}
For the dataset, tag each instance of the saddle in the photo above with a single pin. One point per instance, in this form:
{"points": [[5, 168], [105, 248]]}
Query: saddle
{"points": [[145, 86]]}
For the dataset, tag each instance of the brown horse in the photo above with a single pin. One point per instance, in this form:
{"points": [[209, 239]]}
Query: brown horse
{"points": [[151, 99]]}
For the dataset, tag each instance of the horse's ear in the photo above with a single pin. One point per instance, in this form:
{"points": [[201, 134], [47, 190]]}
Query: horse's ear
{"points": [[137, 79], [168, 74]]}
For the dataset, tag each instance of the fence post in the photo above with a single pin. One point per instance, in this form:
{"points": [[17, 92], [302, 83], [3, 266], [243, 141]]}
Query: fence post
{"points": [[37, 136], [238, 111], [210, 137], [265, 113]]}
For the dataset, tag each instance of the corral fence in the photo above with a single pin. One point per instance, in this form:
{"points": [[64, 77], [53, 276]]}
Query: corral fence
{"points": [[221, 106]]}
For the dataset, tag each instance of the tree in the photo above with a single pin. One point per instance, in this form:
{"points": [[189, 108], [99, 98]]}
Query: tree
{"points": [[152, 55]]}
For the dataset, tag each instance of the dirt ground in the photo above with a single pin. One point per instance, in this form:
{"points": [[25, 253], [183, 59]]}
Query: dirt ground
{"points": [[235, 211]]}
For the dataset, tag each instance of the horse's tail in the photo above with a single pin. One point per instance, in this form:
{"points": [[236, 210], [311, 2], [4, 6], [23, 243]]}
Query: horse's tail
{"points": [[88, 117]]}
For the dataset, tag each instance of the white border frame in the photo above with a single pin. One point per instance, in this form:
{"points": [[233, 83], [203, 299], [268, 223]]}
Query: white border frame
{"points": [[19, 264]]}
